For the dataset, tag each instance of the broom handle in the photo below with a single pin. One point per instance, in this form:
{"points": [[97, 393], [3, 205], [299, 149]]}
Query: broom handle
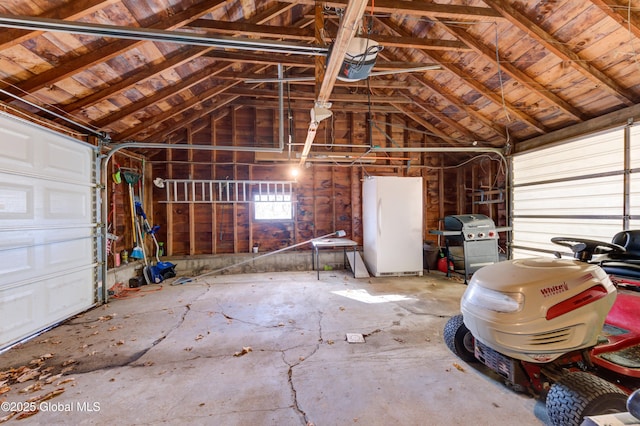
{"points": [[133, 217]]}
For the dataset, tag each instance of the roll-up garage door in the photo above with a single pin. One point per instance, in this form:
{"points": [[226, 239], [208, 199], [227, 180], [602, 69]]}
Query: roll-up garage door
{"points": [[48, 250], [576, 189]]}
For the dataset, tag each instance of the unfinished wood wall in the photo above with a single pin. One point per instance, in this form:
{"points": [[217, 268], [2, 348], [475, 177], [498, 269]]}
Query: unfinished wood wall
{"points": [[327, 196]]}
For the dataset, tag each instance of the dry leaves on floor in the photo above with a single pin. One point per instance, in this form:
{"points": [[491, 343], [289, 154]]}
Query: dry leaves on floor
{"points": [[245, 350], [35, 370]]}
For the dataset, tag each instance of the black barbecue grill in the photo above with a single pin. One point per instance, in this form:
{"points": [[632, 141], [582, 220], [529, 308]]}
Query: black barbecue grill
{"points": [[477, 235]]}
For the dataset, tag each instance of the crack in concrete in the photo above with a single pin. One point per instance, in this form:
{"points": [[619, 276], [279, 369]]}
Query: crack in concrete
{"points": [[137, 355], [294, 393]]}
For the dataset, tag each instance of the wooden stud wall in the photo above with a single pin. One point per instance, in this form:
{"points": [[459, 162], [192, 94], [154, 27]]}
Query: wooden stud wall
{"points": [[327, 196]]}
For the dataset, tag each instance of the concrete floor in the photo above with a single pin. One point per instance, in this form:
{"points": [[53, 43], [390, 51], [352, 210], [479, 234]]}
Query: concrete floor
{"points": [[263, 349]]}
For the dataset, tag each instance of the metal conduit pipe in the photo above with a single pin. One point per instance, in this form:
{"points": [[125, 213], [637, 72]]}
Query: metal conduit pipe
{"points": [[147, 34]]}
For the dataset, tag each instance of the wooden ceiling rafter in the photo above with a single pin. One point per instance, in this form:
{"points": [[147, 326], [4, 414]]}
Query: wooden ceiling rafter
{"points": [[349, 26], [188, 104], [435, 131], [417, 8], [469, 80], [161, 95], [111, 50], [185, 84], [181, 57], [309, 96], [217, 108], [620, 14], [477, 96], [71, 11], [547, 40], [515, 73], [440, 91], [137, 76], [259, 18], [307, 34]]}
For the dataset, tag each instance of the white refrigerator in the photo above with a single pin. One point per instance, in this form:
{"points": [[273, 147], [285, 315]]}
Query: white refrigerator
{"points": [[392, 225]]}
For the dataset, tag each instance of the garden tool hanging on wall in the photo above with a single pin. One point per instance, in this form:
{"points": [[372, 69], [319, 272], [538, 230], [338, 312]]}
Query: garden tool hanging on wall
{"points": [[132, 178]]}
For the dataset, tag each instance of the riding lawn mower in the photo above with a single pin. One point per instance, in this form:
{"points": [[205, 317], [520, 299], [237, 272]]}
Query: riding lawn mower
{"points": [[566, 330]]}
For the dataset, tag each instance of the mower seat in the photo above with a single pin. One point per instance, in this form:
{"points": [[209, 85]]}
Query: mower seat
{"points": [[630, 240], [625, 264]]}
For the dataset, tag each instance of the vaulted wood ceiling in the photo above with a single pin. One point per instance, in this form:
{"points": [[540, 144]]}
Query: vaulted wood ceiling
{"points": [[509, 70]]}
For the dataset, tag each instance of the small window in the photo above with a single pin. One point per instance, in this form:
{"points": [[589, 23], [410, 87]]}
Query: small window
{"points": [[273, 206]]}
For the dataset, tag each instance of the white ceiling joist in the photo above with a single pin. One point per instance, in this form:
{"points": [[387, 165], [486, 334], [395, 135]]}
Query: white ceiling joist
{"points": [[348, 28]]}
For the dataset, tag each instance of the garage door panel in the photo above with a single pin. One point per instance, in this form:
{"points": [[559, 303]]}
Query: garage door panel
{"points": [[597, 196], [16, 304], [25, 199], [570, 159], [67, 204], [17, 262], [31, 149], [64, 162], [575, 189], [69, 294], [45, 302], [16, 201], [29, 254], [531, 234], [48, 230], [18, 150]]}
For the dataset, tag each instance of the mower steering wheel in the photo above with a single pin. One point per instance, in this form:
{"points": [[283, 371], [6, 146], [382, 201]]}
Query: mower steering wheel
{"points": [[584, 249]]}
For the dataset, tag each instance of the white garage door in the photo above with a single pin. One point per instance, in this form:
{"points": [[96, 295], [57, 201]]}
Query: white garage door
{"points": [[48, 268], [577, 189]]}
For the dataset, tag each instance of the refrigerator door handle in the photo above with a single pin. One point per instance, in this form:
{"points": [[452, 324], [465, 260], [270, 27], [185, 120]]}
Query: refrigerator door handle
{"points": [[379, 217]]}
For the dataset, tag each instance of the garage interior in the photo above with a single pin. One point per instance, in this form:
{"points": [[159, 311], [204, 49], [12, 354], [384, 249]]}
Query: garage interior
{"points": [[218, 117]]}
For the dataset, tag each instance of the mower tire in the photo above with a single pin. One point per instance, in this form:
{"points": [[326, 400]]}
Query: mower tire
{"points": [[578, 394], [459, 339]]}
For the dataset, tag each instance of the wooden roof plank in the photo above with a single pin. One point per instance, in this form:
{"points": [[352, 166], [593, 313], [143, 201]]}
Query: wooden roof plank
{"points": [[418, 8], [71, 11], [470, 81], [112, 49], [516, 73], [523, 22]]}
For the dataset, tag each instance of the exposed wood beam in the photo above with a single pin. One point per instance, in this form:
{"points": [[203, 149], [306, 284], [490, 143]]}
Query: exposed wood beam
{"points": [[335, 97], [95, 56], [513, 72], [619, 13], [71, 11], [418, 8], [307, 34], [261, 58], [523, 22], [197, 77], [489, 94], [173, 61], [193, 101], [348, 27], [470, 81], [419, 43], [613, 119], [161, 95], [246, 29], [353, 86], [137, 76], [318, 34], [359, 107], [440, 91], [214, 112], [422, 122]]}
